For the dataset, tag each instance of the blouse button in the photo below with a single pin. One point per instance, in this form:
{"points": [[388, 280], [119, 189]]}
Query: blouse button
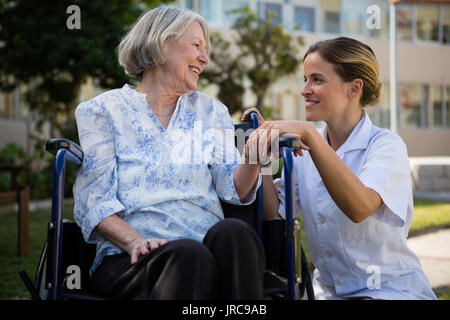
{"points": [[328, 254], [321, 219]]}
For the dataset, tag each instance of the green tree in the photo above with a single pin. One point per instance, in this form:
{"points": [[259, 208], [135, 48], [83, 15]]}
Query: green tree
{"points": [[274, 52], [40, 51], [52, 61], [225, 72], [271, 53]]}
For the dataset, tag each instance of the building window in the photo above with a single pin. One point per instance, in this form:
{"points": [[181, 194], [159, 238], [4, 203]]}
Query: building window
{"points": [[427, 23], [23, 110], [304, 18], [385, 107], [274, 9], [438, 106], [228, 6], [404, 22], [447, 108], [411, 106], [330, 16], [13, 106], [353, 16], [189, 4], [6, 105], [425, 120], [445, 11], [206, 8], [381, 113]]}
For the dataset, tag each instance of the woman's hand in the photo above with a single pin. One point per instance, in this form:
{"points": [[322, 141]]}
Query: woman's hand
{"points": [[256, 148], [292, 128], [269, 132], [120, 233], [141, 247], [246, 116], [259, 145]]}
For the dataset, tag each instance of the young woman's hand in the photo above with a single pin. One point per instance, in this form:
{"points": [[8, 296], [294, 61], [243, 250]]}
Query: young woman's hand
{"points": [[292, 128], [303, 146], [270, 131]]}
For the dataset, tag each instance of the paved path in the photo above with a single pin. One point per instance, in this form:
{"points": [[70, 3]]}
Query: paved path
{"points": [[433, 250]]}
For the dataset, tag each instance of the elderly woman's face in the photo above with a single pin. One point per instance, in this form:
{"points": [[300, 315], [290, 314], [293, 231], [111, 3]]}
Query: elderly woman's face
{"points": [[186, 59]]}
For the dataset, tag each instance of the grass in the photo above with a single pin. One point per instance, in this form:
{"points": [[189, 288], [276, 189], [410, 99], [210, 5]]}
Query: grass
{"points": [[428, 215], [445, 295], [11, 285]]}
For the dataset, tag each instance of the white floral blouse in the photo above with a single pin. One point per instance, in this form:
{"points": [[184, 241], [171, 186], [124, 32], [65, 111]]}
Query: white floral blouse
{"points": [[166, 183]]}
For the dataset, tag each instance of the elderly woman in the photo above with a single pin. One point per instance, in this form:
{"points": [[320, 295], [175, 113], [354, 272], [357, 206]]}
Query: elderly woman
{"points": [[157, 159]]}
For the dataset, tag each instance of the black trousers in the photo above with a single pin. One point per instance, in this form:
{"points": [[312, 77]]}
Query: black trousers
{"points": [[228, 265]]}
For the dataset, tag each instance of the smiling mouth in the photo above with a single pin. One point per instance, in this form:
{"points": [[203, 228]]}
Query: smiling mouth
{"points": [[310, 103], [194, 70]]}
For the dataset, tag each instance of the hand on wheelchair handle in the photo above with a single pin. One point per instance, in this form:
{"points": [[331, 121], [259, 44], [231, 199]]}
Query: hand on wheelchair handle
{"points": [[262, 145], [142, 247], [298, 151], [258, 147], [245, 116]]}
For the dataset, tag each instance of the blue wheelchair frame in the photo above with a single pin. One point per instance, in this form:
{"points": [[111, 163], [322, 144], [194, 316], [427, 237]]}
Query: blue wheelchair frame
{"points": [[67, 150]]}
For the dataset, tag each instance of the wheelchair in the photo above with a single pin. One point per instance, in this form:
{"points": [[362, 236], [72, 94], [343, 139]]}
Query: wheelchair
{"points": [[66, 254]]}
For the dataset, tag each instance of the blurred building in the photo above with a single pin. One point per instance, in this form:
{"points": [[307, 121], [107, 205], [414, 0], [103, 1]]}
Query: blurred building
{"points": [[423, 64], [423, 58]]}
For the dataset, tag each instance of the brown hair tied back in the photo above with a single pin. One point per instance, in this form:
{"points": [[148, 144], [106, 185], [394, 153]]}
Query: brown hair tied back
{"points": [[352, 60]]}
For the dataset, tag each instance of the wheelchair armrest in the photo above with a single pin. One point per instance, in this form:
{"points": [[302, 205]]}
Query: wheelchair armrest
{"points": [[53, 145]]}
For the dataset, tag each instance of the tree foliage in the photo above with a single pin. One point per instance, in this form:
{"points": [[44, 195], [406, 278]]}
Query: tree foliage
{"points": [[50, 61], [270, 51], [37, 49], [225, 72]]}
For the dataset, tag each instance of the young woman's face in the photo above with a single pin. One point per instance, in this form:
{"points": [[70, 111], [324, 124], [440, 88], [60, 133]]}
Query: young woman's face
{"points": [[325, 92], [186, 59]]}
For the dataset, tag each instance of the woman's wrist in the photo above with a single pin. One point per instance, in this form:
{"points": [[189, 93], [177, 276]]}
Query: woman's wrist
{"points": [[255, 159], [265, 162]]}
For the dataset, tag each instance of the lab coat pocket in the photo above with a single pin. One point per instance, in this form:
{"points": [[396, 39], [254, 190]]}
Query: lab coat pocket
{"points": [[356, 232]]}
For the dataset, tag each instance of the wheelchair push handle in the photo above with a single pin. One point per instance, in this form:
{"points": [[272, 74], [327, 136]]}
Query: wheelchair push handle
{"points": [[254, 119], [53, 145], [290, 142]]}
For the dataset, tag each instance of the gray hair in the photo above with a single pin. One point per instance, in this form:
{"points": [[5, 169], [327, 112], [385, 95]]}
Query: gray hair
{"points": [[143, 46]]}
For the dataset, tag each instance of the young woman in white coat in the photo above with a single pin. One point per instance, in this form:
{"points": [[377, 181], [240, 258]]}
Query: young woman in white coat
{"points": [[352, 181]]}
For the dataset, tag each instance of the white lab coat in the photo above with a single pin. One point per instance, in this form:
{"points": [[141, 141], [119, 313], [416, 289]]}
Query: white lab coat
{"points": [[370, 258]]}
